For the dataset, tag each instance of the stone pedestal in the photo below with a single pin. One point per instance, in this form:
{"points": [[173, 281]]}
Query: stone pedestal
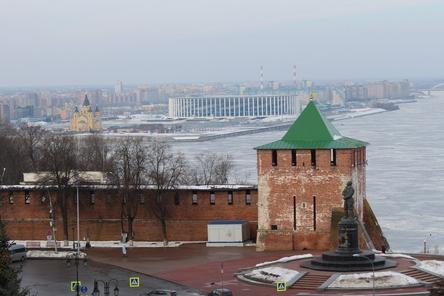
{"points": [[348, 236]]}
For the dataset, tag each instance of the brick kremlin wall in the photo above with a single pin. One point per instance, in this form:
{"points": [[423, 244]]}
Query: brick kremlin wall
{"points": [[25, 210]]}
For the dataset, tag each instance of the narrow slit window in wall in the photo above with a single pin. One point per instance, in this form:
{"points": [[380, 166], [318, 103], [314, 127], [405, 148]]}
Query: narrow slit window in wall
{"points": [[248, 197], [212, 198], [27, 197], [294, 212], [313, 157], [293, 157], [333, 157], [177, 199], [314, 213], [274, 158], [194, 198], [92, 196], [230, 197]]}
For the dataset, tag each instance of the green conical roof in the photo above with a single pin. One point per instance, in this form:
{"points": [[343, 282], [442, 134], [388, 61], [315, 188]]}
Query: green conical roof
{"points": [[312, 130]]}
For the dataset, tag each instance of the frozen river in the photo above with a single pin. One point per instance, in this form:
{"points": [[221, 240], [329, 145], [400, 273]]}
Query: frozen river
{"points": [[405, 176]]}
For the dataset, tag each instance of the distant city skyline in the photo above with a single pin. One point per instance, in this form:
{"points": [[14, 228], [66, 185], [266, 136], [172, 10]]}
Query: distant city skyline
{"points": [[47, 43]]}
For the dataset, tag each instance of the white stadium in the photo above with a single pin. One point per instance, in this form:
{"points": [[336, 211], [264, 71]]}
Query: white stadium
{"points": [[233, 106]]}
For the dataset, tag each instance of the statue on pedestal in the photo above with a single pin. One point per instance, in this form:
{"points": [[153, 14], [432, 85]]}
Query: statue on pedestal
{"points": [[347, 195], [348, 256]]}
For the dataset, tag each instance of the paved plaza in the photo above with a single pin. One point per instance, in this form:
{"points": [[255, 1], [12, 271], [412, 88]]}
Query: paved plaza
{"points": [[205, 268]]}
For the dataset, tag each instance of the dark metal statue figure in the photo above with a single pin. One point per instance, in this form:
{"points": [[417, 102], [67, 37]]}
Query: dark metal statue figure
{"points": [[347, 195]]}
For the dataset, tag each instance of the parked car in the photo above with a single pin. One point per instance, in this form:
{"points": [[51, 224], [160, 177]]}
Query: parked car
{"points": [[221, 292], [162, 292], [18, 252]]}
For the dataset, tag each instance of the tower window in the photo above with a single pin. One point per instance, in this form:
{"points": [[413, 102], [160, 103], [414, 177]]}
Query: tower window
{"points": [[274, 158], [274, 227], [313, 157], [293, 157], [333, 157]]}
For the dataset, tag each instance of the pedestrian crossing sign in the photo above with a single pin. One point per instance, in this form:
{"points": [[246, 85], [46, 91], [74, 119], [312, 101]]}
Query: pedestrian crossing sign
{"points": [[74, 285], [134, 282], [281, 286]]}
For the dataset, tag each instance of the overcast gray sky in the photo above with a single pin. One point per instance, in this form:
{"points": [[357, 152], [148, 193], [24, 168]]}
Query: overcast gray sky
{"points": [[54, 42]]}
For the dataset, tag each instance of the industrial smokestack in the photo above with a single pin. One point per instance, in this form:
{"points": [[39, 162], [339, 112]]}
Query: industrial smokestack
{"points": [[262, 77]]}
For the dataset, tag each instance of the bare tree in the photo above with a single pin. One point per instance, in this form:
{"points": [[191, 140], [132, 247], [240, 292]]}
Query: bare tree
{"points": [[212, 168], [165, 170], [94, 154], [59, 160], [31, 139], [12, 156], [129, 167]]}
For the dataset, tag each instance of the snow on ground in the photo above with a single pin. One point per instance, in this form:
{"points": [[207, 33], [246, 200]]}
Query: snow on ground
{"points": [[394, 255], [272, 274], [432, 266], [135, 244], [43, 244], [385, 279], [38, 254], [286, 259]]}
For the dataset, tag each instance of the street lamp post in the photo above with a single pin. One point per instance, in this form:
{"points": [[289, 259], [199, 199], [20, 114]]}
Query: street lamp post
{"points": [[73, 239], [76, 258], [373, 270], [78, 221], [106, 287]]}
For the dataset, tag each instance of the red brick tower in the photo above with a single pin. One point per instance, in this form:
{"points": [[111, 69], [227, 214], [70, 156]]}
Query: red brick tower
{"points": [[300, 181]]}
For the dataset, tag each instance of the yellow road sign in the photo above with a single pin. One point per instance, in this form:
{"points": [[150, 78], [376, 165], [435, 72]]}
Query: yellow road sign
{"points": [[74, 284], [281, 286], [134, 282]]}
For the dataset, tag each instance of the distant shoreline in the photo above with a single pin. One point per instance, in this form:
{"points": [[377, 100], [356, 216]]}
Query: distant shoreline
{"points": [[285, 126]]}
